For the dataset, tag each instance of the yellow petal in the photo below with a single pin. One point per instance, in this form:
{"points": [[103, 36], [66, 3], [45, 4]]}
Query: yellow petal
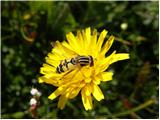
{"points": [[61, 52], [90, 102], [96, 80], [40, 80], [97, 93], [105, 63], [57, 52], [100, 40], [52, 76], [47, 69], [94, 38], [119, 56], [107, 45], [86, 100], [87, 42], [106, 76], [68, 91], [72, 41], [87, 89], [74, 92], [72, 77], [64, 43], [82, 84], [48, 81], [93, 43], [55, 56], [56, 93], [81, 42], [86, 71], [88, 36], [62, 101], [53, 62], [68, 52], [51, 68], [85, 39], [88, 80]]}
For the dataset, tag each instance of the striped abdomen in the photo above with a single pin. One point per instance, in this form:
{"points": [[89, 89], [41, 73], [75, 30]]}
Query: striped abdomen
{"points": [[71, 64], [85, 60]]}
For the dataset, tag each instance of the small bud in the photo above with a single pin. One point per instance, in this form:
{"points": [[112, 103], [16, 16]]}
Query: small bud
{"points": [[34, 91], [33, 101], [124, 26]]}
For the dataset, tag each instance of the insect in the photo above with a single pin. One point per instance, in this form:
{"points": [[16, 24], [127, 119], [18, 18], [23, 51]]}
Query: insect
{"points": [[70, 64], [66, 65]]}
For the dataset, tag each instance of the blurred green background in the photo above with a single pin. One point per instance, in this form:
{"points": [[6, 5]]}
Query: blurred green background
{"points": [[27, 28]]}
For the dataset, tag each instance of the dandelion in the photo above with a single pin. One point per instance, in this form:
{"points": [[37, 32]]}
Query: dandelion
{"points": [[79, 65]]}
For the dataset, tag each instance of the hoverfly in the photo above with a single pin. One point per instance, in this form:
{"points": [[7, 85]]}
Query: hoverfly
{"points": [[72, 63]]}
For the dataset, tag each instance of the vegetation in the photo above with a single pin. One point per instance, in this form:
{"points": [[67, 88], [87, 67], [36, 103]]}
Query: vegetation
{"points": [[28, 28]]}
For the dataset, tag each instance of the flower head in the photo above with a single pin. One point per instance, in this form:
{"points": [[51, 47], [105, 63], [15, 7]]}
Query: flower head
{"points": [[69, 68]]}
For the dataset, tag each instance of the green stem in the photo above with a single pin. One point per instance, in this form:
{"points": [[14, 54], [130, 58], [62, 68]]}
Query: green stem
{"points": [[8, 37], [147, 103], [110, 114], [123, 41], [17, 115]]}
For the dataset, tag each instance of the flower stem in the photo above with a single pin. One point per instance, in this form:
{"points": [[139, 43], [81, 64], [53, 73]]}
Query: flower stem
{"points": [[110, 114], [123, 41], [147, 103]]}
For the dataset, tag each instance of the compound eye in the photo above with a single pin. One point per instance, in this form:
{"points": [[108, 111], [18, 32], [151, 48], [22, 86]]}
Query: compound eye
{"points": [[73, 61], [91, 61]]}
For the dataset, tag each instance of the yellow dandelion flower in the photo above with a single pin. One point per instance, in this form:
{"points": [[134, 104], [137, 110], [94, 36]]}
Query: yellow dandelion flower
{"points": [[78, 65]]}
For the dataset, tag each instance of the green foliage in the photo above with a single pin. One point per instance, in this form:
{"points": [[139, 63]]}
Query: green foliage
{"points": [[29, 27]]}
